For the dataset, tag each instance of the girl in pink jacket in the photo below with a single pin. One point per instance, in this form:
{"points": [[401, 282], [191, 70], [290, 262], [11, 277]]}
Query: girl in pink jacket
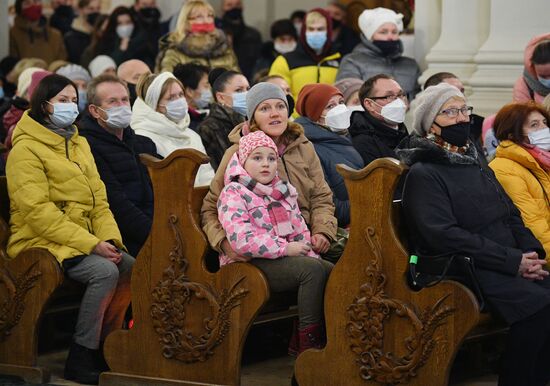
{"points": [[260, 215]]}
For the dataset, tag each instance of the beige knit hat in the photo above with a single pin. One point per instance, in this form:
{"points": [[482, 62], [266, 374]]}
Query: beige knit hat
{"points": [[429, 102]]}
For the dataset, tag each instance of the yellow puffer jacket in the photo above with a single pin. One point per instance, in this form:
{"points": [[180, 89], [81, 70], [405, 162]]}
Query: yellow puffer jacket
{"points": [[528, 185], [57, 199]]}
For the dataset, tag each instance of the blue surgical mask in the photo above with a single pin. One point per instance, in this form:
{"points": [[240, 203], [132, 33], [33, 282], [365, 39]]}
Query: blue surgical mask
{"points": [[544, 82], [316, 40], [82, 100], [2, 95], [205, 99], [239, 102], [64, 114]]}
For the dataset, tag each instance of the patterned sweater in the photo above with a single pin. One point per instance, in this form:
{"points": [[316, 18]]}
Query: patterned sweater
{"points": [[245, 218]]}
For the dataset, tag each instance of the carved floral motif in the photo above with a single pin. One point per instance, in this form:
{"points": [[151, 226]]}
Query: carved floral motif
{"points": [[172, 295], [367, 315], [15, 290]]}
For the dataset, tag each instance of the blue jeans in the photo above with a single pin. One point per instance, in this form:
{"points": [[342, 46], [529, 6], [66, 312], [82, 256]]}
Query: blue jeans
{"points": [[106, 297]]}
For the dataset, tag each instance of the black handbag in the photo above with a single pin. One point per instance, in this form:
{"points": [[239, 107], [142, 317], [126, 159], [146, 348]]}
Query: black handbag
{"points": [[427, 271]]}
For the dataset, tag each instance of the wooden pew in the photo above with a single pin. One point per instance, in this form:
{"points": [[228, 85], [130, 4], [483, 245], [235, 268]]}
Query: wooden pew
{"points": [[190, 324], [29, 285], [379, 331]]}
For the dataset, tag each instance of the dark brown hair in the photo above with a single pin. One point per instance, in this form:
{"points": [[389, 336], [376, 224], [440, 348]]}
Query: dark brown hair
{"points": [[511, 118], [48, 87], [366, 89]]}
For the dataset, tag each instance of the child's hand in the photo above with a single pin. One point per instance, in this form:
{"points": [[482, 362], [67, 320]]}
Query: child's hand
{"points": [[296, 248]]}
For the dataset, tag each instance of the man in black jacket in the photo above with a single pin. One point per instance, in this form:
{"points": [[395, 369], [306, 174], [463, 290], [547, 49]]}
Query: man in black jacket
{"points": [[377, 131], [116, 150]]}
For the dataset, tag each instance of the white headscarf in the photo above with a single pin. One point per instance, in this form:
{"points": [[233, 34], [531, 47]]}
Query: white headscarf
{"points": [[153, 92]]}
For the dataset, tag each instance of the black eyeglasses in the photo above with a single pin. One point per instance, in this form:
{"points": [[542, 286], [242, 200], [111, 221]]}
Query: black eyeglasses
{"points": [[391, 98], [453, 112]]}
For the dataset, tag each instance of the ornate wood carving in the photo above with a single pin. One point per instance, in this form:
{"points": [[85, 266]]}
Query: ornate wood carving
{"points": [[172, 295], [367, 315], [16, 291]]}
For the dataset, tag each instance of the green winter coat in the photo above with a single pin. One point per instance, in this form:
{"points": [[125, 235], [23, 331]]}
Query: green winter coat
{"points": [[57, 199]]}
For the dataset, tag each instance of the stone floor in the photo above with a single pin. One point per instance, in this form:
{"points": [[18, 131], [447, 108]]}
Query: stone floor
{"points": [[265, 362]]}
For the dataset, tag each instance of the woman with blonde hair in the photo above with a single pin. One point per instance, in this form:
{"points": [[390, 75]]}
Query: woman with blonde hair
{"points": [[196, 39], [161, 113]]}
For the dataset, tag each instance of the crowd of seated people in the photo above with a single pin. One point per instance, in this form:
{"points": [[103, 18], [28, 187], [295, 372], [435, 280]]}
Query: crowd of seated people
{"points": [[84, 93]]}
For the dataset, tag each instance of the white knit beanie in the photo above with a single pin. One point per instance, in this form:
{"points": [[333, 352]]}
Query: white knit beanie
{"points": [[371, 19], [100, 64], [74, 72], [428, 104]]}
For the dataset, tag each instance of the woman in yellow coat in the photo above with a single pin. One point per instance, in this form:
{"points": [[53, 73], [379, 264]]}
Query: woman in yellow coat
{"points": [[522, 164], [59, 203]]}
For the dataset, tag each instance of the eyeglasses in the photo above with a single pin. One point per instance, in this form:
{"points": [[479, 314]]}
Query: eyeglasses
{"points": [[453, 112], [390, 98]]}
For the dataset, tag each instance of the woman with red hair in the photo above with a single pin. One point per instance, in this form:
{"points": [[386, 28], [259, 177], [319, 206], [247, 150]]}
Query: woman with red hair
{"points": [[522, 164]]}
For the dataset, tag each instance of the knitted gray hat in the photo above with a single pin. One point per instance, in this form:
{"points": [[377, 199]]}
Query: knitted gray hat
{"points": [[261, 92], [429, 102]]}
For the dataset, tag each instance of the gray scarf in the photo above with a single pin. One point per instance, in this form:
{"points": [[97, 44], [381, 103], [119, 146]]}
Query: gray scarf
{"points": [[534, 84]]}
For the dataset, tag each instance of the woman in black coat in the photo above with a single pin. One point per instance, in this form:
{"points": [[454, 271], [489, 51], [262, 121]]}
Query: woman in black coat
{"points": [[453, 206], [325, 119]]}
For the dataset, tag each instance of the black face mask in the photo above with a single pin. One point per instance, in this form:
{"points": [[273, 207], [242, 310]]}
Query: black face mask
{"points": [[133, 95], [388, 47], [64, 11], [149, 15], [336, 23], [92, 18], [235, 14], [456, 134], [291, 104]]}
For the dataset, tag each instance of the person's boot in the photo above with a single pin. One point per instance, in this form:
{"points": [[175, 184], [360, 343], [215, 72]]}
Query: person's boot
{"points": [[310, 337], [80, 365], [100, 362], [294, 343]]}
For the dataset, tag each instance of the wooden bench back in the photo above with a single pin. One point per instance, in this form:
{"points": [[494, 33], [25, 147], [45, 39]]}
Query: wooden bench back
{"points": [[192, 322], [379, 331]]}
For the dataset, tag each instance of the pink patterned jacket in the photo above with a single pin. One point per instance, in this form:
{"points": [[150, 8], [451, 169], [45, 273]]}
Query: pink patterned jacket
{"points": [[247, 223]]}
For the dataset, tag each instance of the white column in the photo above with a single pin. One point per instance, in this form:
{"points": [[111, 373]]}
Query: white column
{"points": [[427, 28], [500, 60], [4, 31], [464, 28]]}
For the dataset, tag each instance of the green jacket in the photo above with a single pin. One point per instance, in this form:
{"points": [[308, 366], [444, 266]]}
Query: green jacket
{"points": [[57, 199]]}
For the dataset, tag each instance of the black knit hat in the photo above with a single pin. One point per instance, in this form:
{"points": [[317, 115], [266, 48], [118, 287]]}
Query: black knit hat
{"points": [[283, 27]]}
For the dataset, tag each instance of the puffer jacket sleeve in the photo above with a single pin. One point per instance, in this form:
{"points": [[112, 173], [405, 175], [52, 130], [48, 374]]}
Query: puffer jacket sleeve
{"points": [[321, 203], [244, 237], [280, 67], [517, 188], [348, 68], [28, 189], [209, 211], [103, 222]]}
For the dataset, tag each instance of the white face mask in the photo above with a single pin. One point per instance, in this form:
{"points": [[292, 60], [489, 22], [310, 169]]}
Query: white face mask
{"points": [[337, 118], [124, 31], [283, 48], [177, 109], [394, 112], [540, 138], [118, 117]]}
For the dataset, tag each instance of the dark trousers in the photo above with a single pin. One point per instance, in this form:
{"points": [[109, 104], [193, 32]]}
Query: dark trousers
{"points": [[526, 359]]}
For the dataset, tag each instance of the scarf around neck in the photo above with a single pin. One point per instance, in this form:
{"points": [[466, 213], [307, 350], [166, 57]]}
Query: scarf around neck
{"points": [[534, 84], [541, 156], [273, 194]]}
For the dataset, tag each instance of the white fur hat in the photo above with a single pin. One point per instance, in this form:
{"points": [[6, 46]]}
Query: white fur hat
{"points": [[100, 64], [371, 19]]}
